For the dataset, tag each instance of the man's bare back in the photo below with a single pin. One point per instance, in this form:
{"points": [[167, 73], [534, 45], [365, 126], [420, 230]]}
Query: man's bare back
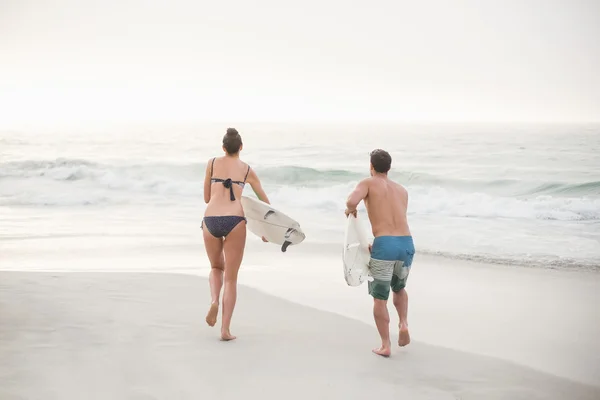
{"points": [[386, 204]]}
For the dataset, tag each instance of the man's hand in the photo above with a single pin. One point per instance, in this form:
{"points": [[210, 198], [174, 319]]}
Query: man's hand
{"points": [[370, 247], [348, 212], [264, 239]]}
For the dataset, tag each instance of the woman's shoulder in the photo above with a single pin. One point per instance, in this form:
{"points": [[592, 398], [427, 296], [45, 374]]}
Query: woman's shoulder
{"points": [[241, 162]]}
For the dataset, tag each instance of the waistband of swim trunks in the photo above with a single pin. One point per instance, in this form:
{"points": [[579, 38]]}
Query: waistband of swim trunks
{"points": [[398, 238]]}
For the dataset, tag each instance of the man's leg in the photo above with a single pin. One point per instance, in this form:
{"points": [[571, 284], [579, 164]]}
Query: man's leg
{"points": [[379, 288], [401, 301], [382, 321], [401, 304]]}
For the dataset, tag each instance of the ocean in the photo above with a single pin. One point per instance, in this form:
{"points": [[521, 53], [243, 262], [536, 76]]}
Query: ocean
{"points": [[524, 195]]}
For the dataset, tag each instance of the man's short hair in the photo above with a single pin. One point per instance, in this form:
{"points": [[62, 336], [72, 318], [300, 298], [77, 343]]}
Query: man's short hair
{"points": [[381, 161]]}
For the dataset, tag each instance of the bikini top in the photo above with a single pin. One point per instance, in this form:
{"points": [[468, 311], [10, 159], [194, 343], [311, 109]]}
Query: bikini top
{"points": [[228, 183]]}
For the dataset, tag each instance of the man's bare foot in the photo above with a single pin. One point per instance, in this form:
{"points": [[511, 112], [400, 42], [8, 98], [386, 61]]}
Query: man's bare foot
{"points": [[227, 336], [403, 337], [384, 351], [211, 317]]}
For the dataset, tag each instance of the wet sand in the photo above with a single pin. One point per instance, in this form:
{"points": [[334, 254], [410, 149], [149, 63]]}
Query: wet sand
{"points": [[93, 335]]}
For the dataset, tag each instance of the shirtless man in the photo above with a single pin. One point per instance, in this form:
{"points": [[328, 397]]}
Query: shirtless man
{"points": [[392, 250]]}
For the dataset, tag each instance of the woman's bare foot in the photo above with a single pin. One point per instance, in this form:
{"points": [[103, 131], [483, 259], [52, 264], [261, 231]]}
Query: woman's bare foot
{"points": [[211, 317], [403, 337], [384, 351], [227, 336]]}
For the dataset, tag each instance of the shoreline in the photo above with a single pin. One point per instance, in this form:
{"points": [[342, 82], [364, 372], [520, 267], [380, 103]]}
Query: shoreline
{"points": [[190, 241], [125, 335], [146, 224]]}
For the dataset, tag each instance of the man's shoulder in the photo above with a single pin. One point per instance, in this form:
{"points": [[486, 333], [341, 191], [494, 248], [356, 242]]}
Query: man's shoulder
{"points": [[399, 186]]}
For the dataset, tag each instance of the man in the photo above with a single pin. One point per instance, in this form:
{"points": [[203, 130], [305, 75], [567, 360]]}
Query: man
{"points": [[392, 250]]}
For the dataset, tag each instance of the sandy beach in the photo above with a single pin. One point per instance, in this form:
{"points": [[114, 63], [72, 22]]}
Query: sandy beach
{"points": [[142, 336]]}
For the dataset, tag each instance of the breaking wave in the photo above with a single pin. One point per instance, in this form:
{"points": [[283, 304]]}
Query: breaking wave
{"points": [[63, 182]]}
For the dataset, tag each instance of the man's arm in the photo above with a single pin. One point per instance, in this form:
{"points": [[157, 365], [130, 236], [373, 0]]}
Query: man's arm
{"points": [[358, 194]]}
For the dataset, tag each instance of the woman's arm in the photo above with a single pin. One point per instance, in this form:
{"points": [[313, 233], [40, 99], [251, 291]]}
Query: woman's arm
{"points": [[207, 181], [258, 190], [257, 186]]}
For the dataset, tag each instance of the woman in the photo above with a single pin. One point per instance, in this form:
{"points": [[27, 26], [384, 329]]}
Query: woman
{"points": [[225, 233]]}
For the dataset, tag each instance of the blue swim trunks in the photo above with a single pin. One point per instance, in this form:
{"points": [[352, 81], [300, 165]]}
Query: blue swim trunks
{"points": [[391, 259]]}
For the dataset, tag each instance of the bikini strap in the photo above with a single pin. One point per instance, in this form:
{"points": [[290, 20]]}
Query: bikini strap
{"points": [[247, 172], [212, 166]]}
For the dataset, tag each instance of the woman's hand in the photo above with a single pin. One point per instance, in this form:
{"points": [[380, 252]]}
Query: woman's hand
{"points": [[264, 239]]}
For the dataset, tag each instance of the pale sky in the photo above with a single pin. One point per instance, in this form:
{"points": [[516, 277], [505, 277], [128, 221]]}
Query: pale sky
{"points": [[76, 61]]}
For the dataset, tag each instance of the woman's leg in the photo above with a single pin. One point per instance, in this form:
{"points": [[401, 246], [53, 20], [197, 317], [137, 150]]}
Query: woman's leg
{"points": [[214, 251], [234, 252]]}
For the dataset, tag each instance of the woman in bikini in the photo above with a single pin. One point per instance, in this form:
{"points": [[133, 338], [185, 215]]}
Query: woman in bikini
{"points": [[225, 233]]}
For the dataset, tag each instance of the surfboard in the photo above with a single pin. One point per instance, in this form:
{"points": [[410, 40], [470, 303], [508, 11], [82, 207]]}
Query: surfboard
{"points": [[274, 225], [356, 253]]}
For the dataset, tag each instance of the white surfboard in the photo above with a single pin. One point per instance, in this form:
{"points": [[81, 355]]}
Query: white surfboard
{"points": [[275, 226], [356, 253]]}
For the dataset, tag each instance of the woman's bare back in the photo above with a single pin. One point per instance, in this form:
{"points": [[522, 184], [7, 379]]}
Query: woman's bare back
{"points": [[222, 169]]}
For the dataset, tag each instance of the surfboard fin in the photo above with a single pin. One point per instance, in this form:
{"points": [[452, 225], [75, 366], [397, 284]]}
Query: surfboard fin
{"points": [[287, 236], [268, 214]]}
